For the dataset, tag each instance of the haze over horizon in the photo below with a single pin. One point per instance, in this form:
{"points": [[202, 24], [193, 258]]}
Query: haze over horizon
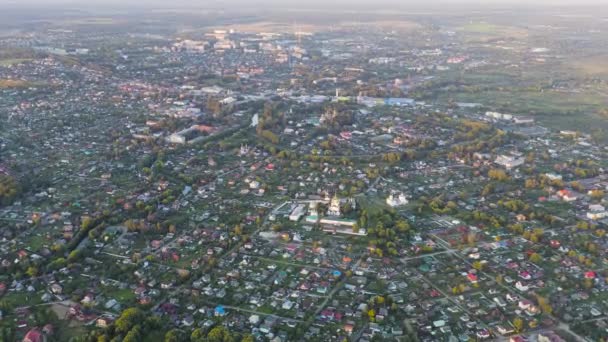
{"points": [[298, 3]]}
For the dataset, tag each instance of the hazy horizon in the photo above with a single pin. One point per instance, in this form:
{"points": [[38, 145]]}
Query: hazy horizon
{"points": [[299, 3]]}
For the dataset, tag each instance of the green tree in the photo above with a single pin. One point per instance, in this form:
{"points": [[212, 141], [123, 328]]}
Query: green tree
{"points": [[518, 324], [402, 226], [173, 335], [248, 338], [128, 318], [134, 335], [32, 271], [9, 189], [219, 334], [197, 335], [86, 223], [535, 258]]}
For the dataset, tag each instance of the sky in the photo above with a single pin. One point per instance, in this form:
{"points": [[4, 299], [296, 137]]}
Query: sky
{"points": [[302, 3]]}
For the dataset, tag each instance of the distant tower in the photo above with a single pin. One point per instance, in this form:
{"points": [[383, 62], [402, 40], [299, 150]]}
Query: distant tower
{"points": [[334, 206], [298, 34]]}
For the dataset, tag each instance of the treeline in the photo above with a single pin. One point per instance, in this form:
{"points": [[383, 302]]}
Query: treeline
{"points": [[134, 325]]}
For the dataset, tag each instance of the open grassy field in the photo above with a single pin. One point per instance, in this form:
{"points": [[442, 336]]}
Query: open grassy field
{"points": [[11, 61], [554, 109], [531, 89], [481, 27]]}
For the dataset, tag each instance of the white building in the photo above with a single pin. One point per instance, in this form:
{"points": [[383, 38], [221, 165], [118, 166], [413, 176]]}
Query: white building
{"points": [[596, 212], [509, 161], [176, 138], [227, 101], [553, 176], [521, 120], [396, 200], [297, 213], [254, 184], [499, 116]]}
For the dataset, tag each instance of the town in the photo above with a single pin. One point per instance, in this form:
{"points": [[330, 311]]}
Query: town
{"points": [[276, 180]]}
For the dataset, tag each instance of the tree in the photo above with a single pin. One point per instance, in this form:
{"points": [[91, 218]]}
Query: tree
{"points": [[518, 324], [498, 174], [5, 305], [74, 255], [9, 189], [127, 319], [402, 226], [544, 304], [596, 194], [173, 335], [530, 183], [248, 338], [57, 264], [371, 313], [134, 335], [347, 208], [197, 335], [582, 225], [152, 323], [32, 271], [535, 258], [86, 223], [219, 334], [478, 265], [270, 136]]}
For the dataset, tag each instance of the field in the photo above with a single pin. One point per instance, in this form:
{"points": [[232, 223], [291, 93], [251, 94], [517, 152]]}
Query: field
{"points": [[88, 21], [271, 26], [530, 90], [595, 66], [553, 109], [6, 84], [488, 30], [11, 61], [397, 25], [481, 27]]}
